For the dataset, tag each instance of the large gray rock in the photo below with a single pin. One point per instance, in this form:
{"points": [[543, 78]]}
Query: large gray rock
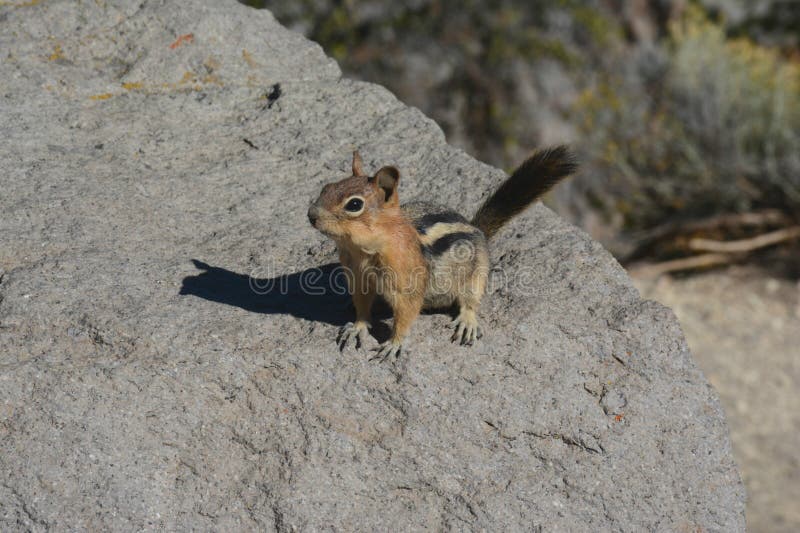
{"points": [[152, 185]]}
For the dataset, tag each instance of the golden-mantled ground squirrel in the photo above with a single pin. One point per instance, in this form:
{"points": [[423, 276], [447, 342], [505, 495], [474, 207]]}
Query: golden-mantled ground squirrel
{"points": [[421, 255]]}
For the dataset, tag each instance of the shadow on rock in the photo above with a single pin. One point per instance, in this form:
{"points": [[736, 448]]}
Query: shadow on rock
{"points": [[318, 294]]}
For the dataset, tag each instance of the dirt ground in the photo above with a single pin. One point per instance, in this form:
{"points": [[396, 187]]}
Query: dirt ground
{"points": [[743, 327]]}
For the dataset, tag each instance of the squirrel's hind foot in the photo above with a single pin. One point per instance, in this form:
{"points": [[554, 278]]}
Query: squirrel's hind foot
{"points": [[357, 331], [467, 331]]}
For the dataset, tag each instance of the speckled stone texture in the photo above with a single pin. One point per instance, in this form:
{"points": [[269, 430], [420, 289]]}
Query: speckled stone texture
{"points": [[156, 164]]}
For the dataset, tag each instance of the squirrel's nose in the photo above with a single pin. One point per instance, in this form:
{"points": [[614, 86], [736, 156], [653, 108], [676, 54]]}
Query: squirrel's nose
{"points": [[313, 215]]}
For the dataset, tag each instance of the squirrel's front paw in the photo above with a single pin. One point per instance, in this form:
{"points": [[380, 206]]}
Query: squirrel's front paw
{"points": [[357, 331], [386, 350], [467, 330]]}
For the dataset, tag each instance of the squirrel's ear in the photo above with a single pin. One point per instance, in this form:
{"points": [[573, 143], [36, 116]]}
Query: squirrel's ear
{"points": [[358, 165], [386, 179]]}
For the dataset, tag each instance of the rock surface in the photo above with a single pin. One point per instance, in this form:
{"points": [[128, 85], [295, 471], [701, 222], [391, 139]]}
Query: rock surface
{"points": [[728, 316], [157, 162]]}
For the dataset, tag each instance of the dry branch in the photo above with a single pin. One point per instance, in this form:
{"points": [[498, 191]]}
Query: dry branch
{"points": [[745, 245], [654, 270], [767, 217], [672, 235]]}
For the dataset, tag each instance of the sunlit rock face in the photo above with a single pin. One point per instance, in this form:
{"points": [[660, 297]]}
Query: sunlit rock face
{"points": [[168, 315]]}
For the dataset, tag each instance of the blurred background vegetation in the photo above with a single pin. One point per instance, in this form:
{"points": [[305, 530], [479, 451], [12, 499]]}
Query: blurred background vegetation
{"points": [[682, 110], [686, 114]]}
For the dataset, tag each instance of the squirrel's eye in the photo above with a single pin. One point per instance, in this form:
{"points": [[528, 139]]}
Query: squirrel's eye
{"points": [[354, 205]]}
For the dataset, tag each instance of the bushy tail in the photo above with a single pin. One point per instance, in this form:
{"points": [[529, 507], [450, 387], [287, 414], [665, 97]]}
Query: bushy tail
{"points": [[531, 180]]}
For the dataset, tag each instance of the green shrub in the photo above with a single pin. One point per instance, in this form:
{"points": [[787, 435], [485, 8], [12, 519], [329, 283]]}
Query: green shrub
{"points": [[684, 123], [711, 126]]}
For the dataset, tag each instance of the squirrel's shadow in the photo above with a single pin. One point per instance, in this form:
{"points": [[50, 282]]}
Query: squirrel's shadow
{"points": [[318, 294]]}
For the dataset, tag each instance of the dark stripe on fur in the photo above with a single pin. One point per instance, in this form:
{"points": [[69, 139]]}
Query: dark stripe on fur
{"points": [[445, 242], [530, 181], [423, 223]]}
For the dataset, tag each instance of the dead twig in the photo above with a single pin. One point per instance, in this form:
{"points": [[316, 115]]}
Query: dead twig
{"points": [[745, 245], [672, 231], [767, 217], [654, 270], [717, 253]]}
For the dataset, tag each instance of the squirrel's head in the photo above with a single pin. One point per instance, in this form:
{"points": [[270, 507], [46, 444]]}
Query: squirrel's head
{"points": [[349, 209]]}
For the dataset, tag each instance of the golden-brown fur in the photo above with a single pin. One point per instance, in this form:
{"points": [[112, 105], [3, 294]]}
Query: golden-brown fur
{"points": [[420, 254], [378, 246]]}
